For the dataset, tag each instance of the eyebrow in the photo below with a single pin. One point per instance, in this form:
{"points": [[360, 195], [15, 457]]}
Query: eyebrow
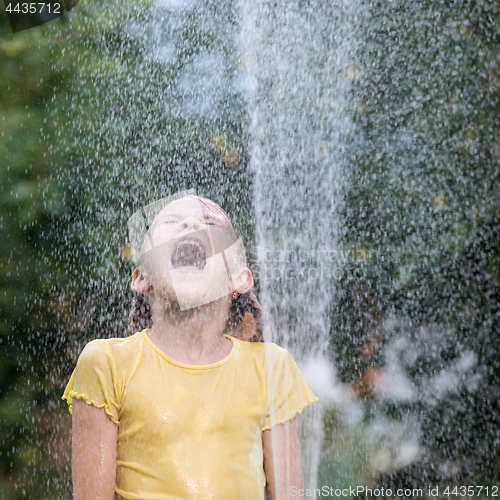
{"points": [[181, 216]]}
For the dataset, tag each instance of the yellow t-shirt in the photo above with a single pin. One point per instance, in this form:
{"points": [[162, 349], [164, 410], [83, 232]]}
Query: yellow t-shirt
{"points": [[189, 432]]}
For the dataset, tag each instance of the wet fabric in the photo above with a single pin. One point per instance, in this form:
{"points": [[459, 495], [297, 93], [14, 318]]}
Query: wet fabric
{"points": [[189, 432]]}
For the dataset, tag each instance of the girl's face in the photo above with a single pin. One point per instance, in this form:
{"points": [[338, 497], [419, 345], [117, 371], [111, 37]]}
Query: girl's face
{"points": [[191, 251]]}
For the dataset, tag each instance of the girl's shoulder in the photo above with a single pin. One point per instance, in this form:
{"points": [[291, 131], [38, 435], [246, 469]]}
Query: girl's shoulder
{"points": [[112, 349], [267, 352]]}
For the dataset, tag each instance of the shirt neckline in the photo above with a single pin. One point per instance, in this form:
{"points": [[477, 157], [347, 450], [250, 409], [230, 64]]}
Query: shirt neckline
{"points": [[184, 365]]}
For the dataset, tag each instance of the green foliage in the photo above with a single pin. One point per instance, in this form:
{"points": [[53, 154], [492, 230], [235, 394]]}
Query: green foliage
{"points": [[424, 196], [94, 126]]}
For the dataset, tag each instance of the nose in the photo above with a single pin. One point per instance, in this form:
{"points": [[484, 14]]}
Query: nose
{"points": [[191, 223]]}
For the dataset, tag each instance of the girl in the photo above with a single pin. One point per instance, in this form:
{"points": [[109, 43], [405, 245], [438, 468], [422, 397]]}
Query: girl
{"points": [[183, 409]]}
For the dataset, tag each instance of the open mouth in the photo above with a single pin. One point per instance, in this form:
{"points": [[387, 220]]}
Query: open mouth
{"points": [[189, 253]]}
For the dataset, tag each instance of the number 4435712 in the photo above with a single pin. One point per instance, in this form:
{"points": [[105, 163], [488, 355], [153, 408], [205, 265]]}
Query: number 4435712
{"points": [[471, 491], [33, 7]]}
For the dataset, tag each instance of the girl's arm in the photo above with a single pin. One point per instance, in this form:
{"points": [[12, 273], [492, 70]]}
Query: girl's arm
{"points": [[282, 461], [94, 448]]}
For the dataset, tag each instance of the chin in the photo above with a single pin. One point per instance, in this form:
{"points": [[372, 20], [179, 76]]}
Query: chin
{"points": [[185, 295], [198, 301], [193, 290]]}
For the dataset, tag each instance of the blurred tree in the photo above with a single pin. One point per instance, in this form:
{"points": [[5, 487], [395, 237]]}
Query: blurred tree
{"points": [[103, 111], [425, 198]]}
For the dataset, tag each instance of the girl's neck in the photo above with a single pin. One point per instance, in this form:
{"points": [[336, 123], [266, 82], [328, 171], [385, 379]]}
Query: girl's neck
{"points": [[194, 337]]}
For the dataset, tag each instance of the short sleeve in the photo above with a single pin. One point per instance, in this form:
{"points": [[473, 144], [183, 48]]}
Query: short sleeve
{"points": [[95, 379], [288, 392]]}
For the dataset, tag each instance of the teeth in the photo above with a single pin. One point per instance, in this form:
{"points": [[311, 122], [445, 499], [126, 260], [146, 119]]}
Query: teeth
{"points": [[192, 242]]}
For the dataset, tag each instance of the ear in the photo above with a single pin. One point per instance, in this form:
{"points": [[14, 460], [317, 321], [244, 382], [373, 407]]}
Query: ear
{"points": [[242, 281], [140, 281]]}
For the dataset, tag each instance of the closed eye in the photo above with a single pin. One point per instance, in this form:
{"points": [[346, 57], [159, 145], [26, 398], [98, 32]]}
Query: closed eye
{"points": [[207, 223]]}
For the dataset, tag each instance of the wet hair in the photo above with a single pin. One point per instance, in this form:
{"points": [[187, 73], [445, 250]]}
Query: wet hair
{"points": [[141, 317]]}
